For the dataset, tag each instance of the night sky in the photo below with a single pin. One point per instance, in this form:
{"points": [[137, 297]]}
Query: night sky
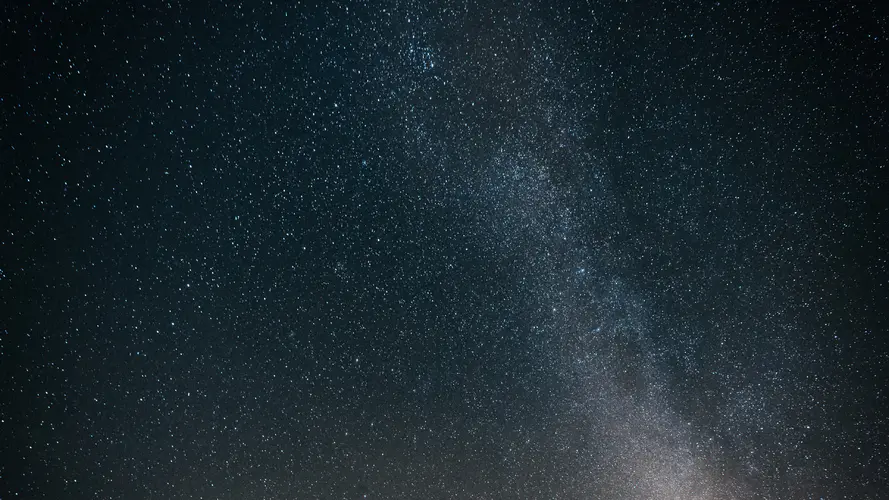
{"points": [[420, 250]]}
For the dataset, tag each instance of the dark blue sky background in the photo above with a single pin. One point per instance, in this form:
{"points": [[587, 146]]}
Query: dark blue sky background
{"points": [[443, 250]]}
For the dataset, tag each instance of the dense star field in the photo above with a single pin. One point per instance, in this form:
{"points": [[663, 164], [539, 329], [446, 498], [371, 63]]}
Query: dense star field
{"points": [[423, 250]]}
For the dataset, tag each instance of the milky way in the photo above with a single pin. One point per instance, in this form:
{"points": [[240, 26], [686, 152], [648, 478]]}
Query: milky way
{"points": [[443, 250]]}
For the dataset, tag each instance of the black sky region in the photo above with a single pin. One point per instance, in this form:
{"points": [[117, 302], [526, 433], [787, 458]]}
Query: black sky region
{"points": [[442, 250]]}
